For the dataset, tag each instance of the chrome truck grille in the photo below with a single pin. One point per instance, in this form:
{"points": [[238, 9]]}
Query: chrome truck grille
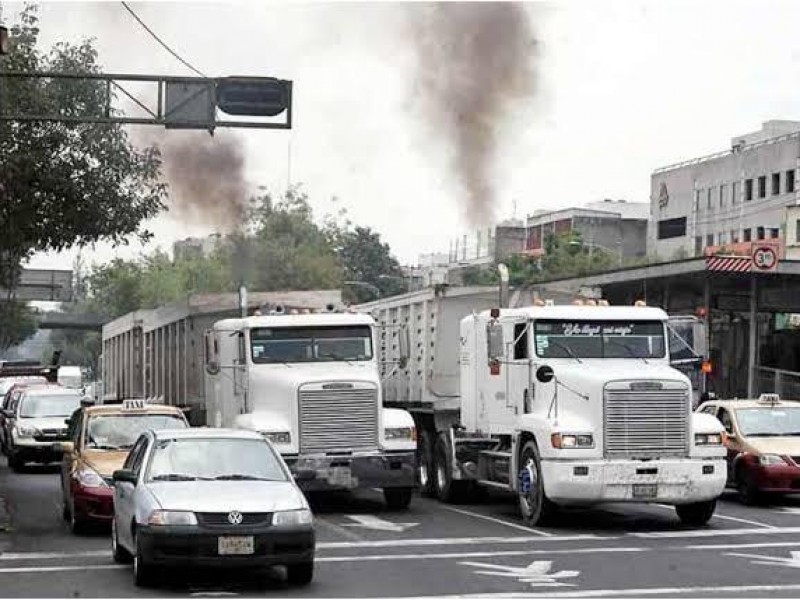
{"points": [[338, 419], [646, 419]]}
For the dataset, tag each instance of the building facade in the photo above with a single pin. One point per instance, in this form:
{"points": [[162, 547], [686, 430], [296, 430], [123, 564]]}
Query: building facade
{"points": [[736, 196]]}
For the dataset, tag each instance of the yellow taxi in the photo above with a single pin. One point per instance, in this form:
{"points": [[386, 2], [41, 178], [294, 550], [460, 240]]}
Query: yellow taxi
{"points": [[100, 438], [763, 444]]}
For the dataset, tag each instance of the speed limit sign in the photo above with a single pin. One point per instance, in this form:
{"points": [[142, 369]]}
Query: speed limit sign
{"points": [[765, 258]]}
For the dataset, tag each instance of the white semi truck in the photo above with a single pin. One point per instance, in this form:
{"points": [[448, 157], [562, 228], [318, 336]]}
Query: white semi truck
{"points": [[305, 378], [561, 405]]}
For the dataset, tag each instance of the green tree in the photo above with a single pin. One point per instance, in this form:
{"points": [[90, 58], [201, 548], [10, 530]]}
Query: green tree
{"points": [[17, 323], [365, 258], [63, 183]]}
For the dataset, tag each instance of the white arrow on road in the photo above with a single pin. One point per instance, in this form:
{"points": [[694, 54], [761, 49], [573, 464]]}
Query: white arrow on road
{"points": [[760, 559], [370, 522], [537, 573]]}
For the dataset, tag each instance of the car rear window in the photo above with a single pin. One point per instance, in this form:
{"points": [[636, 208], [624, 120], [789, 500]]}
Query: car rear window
{"points": [[49, 405], [120, 431]]}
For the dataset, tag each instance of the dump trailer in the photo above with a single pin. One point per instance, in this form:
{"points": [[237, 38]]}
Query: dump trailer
{"points": [[558, 404], [303, 373]]}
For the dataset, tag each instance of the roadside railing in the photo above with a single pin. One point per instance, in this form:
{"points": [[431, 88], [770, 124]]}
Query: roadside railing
{"points": [[777, 381]]}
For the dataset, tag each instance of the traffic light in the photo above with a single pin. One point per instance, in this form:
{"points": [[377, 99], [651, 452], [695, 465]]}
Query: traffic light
{"points": [[256, 96], [4, 46]]}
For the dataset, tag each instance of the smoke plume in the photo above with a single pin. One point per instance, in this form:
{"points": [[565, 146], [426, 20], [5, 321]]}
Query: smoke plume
{"points": [[205, 175], [474, 62]]}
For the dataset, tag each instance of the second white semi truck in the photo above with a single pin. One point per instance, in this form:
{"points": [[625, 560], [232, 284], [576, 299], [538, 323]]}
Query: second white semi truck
{"points": [[561, 405]]}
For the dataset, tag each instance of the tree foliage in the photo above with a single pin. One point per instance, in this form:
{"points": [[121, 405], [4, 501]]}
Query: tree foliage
{"points": [[65, 183], [17, 323]]}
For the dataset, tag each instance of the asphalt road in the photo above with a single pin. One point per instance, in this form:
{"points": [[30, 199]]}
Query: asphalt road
{"points": [[479, 549]]}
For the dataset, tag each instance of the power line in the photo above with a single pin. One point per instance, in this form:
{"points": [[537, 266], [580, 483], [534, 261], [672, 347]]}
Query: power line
{"points": [[158, 39]]}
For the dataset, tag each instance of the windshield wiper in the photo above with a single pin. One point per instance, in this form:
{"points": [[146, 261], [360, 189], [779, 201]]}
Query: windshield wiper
{"points": [[175, 477], [566, 349], [334, 357], [765, 434], [94, 446], [630, 350], [240, 477]]}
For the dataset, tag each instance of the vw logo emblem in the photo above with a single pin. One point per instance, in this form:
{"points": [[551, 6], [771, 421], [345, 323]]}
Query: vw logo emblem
{"points": [[235, 517]]}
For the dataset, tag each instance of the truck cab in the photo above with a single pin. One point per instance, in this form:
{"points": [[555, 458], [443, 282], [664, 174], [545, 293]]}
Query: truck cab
{"points": [[309, 383], [580, 405]]}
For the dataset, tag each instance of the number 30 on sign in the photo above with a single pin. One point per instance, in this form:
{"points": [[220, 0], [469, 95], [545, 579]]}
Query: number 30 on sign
{"points": [[765, 258]]}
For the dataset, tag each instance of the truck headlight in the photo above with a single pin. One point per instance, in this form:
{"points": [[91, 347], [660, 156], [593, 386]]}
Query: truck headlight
{"points": [[89, 478], [172, 517], [768, 460], [278, 437], [565, 441], [400, 434], [26, 431], [709, 439], [293, 517]]}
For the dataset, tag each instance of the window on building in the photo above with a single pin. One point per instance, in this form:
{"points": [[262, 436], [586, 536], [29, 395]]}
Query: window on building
{"points": [[762, 186], [790, 181], [797, 231], [671, 228], [760, 233], [747, 235], [710, 194], [774, 233], [734, 237], [722, 189], [734, 192], [698, 245], [721, 241], [776, 184], [748, 189], [710, 239], [697, 200]]}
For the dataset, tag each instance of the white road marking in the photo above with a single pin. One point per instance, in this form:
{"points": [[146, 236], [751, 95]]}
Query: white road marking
{"points": [[469, 541], [495, 520], [726, 517], [775, 561], [448, 555], [52, 555], [714, 532], [735, 546], [636, 592], [40, 569], [350, 535], [787, 510], [536, 573], [377, 524]]}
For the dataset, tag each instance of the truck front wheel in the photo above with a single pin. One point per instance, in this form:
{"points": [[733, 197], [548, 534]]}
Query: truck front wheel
{"points": [[534, 505], [425, 463], [696, 513]]}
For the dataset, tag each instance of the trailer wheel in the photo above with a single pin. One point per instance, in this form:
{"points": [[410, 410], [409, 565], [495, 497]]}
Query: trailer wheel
{"points": [[534, 505], [696, 514], [447, 490], [426, 468]]}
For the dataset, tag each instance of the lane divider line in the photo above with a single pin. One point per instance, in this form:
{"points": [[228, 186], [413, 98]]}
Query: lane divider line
{"points": [[727, 518], [496, 520], [459, 541]]}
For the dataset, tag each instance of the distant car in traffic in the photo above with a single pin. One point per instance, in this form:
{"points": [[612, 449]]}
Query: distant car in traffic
{"points": [[763, 444], [8, 386], [210, 498], [35, 420], [100, 438]]}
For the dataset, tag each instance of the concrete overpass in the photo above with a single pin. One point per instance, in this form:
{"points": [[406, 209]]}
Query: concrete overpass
{"points": [[59, 320]]}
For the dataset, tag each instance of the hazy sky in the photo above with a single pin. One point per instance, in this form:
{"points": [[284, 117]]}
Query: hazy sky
{"points": [[621, 89]]}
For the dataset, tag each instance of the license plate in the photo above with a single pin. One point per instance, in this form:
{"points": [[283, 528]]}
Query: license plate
{"points": [[645, 490], [340, 477], [236, 545]]}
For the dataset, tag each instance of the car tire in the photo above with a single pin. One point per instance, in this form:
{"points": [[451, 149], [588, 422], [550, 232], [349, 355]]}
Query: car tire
{"points": [[300, 574], [425, 464], [65, 513], [120, 554], [696, 514], [397, 498], [15, 463], [448, 490], [534, 505], [747, 490], [143, 572]]}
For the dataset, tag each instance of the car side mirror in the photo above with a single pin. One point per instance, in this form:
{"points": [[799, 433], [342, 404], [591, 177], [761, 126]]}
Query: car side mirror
{"points": [[545, 374], [65, 447], [125, 475], [8, 413]]}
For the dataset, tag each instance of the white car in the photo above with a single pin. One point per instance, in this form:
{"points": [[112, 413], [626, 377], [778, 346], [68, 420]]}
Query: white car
{"points": [[210, 498]]}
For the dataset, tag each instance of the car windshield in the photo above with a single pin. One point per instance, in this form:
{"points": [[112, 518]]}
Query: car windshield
{"points": [[769, 421], [311, 344], [117, 432], [49, 405], [214, 459], [599, 339]]}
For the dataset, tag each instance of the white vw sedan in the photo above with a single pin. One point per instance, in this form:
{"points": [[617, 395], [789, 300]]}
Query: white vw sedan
{"points": [[206, 498]]}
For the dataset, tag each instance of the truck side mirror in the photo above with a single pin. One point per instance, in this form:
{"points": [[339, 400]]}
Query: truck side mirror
{"points": [[495, 348], [545, 374]]}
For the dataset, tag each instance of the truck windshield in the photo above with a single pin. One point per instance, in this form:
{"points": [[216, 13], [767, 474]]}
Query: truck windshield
{"points": [[311, 344], [599, 339]]}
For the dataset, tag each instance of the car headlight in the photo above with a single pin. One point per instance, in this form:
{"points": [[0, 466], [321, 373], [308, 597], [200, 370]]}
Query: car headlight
{"points": [[767, 460], [566, 441], [25, 431], [278, 437], [293, 517], [400, 434], [89, 478], [709, 439], [172, 517]]}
